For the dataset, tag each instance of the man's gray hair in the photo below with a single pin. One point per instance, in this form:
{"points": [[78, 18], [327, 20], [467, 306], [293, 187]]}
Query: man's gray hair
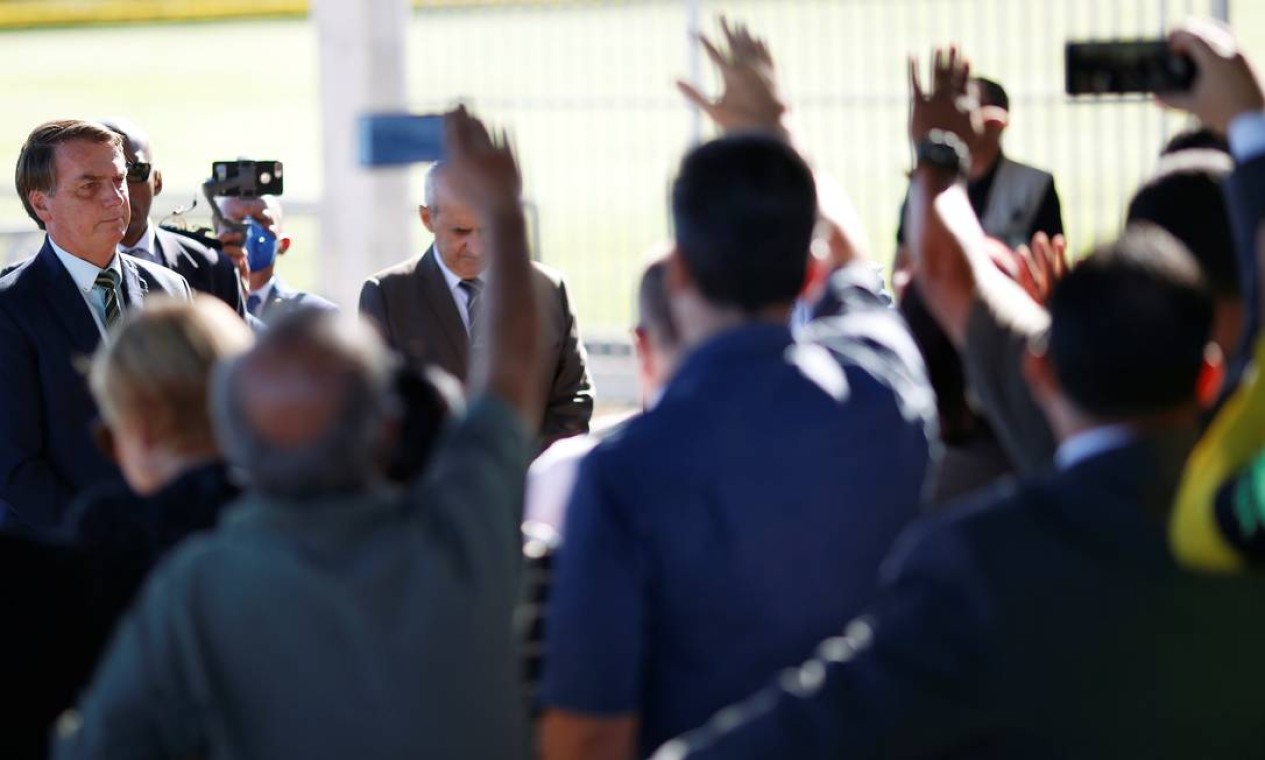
{"points": [[350, 452], [430, 184]]}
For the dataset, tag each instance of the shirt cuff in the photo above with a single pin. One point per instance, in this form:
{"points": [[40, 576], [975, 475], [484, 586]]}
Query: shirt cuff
{"points": [[1246, 135]]}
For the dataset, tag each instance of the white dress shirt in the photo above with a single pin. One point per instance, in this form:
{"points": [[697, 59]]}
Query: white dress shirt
{"points": [[459, 294], [84, 273], [145, 248], [263, 293]]}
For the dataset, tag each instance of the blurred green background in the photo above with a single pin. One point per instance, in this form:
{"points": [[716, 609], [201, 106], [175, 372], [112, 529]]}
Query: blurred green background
{"points": [[587, 90]]}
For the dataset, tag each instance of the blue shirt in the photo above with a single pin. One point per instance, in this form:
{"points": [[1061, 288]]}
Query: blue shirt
{"points": [[720, 536]]}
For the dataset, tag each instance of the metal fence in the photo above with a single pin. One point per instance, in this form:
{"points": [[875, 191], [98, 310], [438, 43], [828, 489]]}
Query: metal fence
{"points": [[586, 88]]}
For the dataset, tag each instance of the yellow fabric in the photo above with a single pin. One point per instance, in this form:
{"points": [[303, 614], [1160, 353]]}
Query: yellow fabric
{"points": [[1234, 439]]}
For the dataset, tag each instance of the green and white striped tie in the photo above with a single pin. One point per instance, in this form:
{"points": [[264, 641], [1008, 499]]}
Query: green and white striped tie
{"points": [[108, 281]]}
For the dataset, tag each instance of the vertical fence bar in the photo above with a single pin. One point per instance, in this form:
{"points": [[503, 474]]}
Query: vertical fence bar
{"points": [[694, 59]]}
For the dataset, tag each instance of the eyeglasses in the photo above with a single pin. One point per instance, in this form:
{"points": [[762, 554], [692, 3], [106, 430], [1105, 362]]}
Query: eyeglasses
{"points": [[138, 171]]}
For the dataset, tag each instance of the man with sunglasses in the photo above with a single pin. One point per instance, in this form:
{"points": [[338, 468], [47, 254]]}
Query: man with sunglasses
{"points": [[206, 269]]}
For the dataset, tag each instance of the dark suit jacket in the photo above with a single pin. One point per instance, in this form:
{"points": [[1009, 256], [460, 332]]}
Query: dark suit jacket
{"points": [[414, 309], [206, 269], [72, 594], [1044, 620], [283, 300], [47, 454]]}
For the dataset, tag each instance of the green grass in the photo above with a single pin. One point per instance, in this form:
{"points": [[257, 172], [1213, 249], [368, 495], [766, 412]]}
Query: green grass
{"points": [[587, 91]]}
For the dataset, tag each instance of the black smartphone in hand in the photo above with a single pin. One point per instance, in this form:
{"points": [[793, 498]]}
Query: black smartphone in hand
{"points": [[1126, 67]]}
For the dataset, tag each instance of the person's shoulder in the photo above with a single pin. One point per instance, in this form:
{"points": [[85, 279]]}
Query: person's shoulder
{"points": [[196, 246], [16, 276], [306, 300], [195, 243], [1035, 172], [547, 274], [959, 537], [156, 274], [405, 268]]}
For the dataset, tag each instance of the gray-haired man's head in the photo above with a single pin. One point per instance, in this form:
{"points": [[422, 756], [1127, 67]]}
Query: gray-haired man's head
{"points": [[309, 410]]}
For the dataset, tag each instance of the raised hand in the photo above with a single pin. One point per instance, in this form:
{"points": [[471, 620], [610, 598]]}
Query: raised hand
{"points": [[1226, 83], [750, 98], [948, 105], [1043, 262], [480, 168]]}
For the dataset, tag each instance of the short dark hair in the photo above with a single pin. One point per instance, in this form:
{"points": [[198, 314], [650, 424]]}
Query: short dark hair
{"points": [[1200, 138], [1129, 326], [744, 208], [991, 93], [1184, 196], [37, 168]]}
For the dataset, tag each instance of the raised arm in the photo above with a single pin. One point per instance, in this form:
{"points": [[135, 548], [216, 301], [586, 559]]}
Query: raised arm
{"points": [[483, 171]]}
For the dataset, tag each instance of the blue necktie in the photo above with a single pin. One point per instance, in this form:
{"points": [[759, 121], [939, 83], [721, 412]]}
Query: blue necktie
{"points": [[252, 304], [473, 288]]}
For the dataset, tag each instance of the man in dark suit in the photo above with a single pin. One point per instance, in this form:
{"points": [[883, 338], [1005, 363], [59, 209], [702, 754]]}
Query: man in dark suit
{"points": [[427, 309], [269, 298], [206, 269], [1049, 619], [56, 307]]}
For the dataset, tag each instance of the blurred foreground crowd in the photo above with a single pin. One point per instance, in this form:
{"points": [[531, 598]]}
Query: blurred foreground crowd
{"points": [[1015, 510]]}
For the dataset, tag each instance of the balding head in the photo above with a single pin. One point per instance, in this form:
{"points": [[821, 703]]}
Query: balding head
{"points": [[309, 409], [135, 138]]}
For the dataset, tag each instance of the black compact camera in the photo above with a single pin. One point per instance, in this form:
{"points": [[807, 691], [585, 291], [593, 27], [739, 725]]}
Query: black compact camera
{"points": [[247, 179], [1126, 67]]}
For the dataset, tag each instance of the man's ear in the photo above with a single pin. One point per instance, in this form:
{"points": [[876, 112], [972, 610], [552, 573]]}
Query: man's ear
{"points": [[677, 277], [158, 183], [39, 202], [283, 244], [427, 219], [994, 118], [1211, 377]]}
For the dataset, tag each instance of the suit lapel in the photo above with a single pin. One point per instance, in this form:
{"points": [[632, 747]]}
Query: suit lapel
{"points": [[134, 287], [167, 247], [438, 299], [63, 298]]}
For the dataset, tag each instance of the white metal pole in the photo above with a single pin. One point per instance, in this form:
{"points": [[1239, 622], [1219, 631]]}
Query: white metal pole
{"points": [[1220, 10], [695, 58], [365, 215]]}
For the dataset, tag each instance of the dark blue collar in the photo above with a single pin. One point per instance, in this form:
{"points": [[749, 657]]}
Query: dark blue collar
{"points": [[752, 341]]}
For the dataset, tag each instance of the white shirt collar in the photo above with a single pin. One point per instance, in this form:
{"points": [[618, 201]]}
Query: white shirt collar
{"points": [[84, 273], [449, 277], [265, 290], [1090, 444], [148, 243]]}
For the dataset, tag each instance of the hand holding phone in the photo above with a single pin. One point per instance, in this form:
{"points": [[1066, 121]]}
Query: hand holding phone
{"points": [[1227, 84]]}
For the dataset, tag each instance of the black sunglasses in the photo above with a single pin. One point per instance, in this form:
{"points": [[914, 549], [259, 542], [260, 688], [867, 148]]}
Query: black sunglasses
{"points": [[138, 171]]}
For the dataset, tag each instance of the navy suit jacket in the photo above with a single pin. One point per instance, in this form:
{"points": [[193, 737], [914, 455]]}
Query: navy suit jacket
{"points": [[206, 269], [47, 331], [1044, 620]]}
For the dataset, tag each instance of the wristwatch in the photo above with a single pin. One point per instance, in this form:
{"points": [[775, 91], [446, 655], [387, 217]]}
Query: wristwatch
{"points": [[945, 151]]}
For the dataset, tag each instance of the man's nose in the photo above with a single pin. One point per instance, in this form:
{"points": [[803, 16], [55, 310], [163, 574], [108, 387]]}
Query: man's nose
{"points": [[116, 195]]}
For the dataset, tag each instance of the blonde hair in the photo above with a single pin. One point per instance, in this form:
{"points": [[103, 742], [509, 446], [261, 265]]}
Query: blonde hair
{"points": [[158, 365]]}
